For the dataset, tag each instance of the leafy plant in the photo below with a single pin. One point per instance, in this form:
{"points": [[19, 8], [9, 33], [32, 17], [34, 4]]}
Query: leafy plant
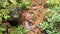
{"points": [[24, 3], [51, 3], [50, 28], [4, 14], [53, 14], [2, 29], [52, 18], [6, 7], [20, 30]]}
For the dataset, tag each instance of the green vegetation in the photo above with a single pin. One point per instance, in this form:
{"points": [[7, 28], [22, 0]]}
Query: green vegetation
{"points": [[20, 30], [2, 29], [51, 3], [52, 18], [9, 6]]}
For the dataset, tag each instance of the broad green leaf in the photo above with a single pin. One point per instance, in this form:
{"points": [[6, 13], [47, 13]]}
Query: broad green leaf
{"points": [[13, 1], [0, 20], [4, 3], [2, 29], [44, 25]]}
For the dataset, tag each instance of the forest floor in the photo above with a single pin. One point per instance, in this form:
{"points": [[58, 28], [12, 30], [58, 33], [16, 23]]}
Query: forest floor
{"points": [[35, 15]]}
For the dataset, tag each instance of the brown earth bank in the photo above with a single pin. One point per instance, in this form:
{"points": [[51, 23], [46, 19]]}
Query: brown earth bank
{"points": [[34, 16]]}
